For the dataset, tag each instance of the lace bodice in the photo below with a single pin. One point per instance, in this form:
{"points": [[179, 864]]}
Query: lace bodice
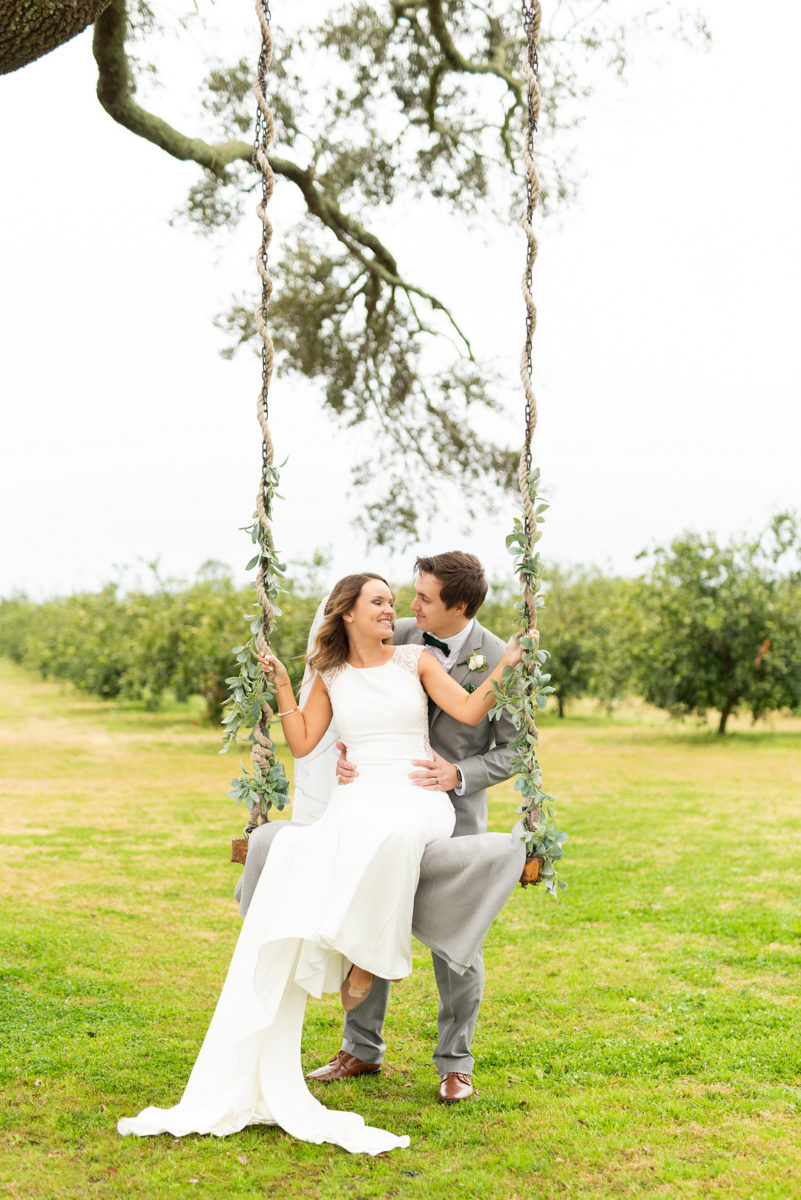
{"points": [[381, 713]]}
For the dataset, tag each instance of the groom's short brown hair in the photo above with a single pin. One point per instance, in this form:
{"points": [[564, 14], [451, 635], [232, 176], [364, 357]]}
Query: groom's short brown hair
{"points": [[461, 577]]}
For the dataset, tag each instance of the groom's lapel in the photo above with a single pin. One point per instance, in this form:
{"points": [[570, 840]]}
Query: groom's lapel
{"points": [[461, 670]]}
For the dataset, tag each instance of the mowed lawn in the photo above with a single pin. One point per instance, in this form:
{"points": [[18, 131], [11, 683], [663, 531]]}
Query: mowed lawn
{"points": [[640, 1038]]}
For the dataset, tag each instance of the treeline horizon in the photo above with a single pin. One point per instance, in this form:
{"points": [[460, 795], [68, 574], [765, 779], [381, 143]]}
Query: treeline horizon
{"points": [[704, 627]]}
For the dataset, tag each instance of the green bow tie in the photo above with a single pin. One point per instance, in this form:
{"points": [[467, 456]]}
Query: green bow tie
{"points": [[430, 640]]}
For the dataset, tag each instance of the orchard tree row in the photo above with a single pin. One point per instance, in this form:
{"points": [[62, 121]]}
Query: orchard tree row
{"points": [[704, 627]]}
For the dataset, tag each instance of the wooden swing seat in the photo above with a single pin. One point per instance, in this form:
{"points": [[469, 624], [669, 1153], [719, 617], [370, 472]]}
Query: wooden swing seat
{"points": [[531, 869]]}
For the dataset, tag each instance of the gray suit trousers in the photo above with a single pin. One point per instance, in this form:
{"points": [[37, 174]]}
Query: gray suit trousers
{"points": [[464, 883], [459, 1002]]}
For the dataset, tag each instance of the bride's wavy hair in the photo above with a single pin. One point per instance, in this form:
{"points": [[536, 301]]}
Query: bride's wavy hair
{"points": [[331, 644]]}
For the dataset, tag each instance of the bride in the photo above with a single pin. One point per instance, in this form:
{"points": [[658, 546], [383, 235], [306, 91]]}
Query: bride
{"points": [[333, 907]]}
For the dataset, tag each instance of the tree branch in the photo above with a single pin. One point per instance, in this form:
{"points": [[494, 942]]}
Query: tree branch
{"points": [[457, 61], [348, 316], [116, 87]]}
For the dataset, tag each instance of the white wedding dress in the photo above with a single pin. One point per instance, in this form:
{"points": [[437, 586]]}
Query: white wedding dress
{"points": [[333, 893]]}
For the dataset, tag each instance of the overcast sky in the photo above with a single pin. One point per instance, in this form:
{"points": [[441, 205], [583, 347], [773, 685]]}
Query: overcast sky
{"points": [[666, 358]]}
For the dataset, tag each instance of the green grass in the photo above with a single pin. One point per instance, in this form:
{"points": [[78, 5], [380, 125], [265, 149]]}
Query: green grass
{"points": [[642, 1038]]}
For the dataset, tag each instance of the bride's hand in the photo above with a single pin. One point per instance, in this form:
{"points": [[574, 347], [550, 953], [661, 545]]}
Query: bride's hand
{"points": [[514, 651], [273, 668]]}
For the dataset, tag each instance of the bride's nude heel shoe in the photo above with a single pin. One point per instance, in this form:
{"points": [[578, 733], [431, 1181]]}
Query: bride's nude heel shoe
{"points": [[352, 997]]}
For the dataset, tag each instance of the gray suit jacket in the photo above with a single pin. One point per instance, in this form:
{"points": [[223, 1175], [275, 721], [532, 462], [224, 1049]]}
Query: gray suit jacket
{"points": [[481, 752]]}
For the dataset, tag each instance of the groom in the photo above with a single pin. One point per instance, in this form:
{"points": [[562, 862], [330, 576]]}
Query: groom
{"points": [[466, 760]]}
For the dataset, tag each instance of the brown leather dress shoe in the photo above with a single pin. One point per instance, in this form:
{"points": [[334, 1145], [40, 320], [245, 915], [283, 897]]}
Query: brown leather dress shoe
{"points": [[455, 1086], [343, 1066]]}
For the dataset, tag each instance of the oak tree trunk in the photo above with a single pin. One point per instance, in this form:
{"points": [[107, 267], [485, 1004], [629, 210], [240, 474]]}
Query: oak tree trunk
{"points": [[31, 28]]}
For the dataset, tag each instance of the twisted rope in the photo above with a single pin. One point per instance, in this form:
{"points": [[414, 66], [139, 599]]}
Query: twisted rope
{"points": [[532, 19], [263, 750]]}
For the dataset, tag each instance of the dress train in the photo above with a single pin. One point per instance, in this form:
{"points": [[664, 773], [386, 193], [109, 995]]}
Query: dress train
{"points": [[338, 892]]}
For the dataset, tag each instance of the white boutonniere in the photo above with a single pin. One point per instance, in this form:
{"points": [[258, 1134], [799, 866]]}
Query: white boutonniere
{"points": [[475, 661]]}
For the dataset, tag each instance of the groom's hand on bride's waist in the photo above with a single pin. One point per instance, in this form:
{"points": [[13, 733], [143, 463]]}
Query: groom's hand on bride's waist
{"points": [[435, 774], [345, 771]]}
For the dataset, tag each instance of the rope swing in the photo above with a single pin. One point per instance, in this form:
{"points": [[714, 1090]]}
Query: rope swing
{"points": [[263, 752], [523, 691], [532, 19], [268, 786]]}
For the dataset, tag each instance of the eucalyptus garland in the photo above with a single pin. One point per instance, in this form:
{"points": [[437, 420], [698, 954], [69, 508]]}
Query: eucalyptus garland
{"points": [[522, 694], [249, 694]]}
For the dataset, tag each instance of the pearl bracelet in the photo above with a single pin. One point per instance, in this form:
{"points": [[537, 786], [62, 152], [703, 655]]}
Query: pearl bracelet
{"points": [[288, 712]]}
